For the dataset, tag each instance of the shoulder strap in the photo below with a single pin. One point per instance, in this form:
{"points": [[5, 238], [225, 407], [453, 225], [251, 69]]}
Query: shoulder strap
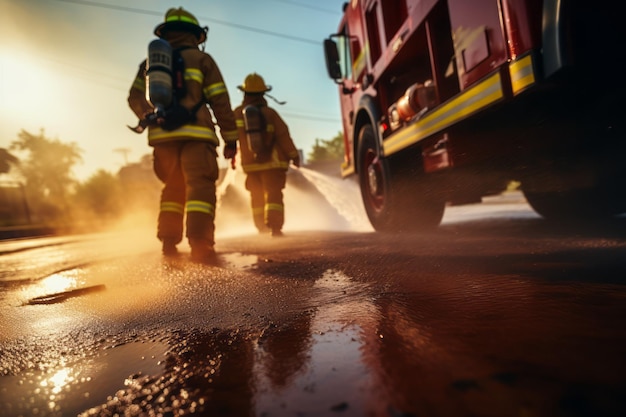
{"points": [[182, 48], [197, 106], [202, 101]]}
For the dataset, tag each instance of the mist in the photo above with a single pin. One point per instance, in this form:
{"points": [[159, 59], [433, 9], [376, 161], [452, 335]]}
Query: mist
{"points": [[313, 201]]}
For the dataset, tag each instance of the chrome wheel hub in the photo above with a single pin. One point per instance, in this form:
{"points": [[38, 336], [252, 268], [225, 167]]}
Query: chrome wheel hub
{"points": [[372, 179]]}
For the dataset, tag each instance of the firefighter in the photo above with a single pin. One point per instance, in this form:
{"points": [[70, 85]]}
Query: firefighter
{"points": [[266, 150], [185, 158]]}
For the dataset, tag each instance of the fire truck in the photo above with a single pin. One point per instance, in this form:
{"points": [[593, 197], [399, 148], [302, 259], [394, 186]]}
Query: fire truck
{"points": [[444, 102]]}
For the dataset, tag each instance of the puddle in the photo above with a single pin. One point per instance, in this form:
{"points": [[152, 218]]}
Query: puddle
{"points": [[333, 377], [71, 389], [308, 363], [241, 261], [311, 362], [320, 369]]}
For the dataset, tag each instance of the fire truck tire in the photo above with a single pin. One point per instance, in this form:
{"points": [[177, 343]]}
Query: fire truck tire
{"points": [[392, 203], [582, 205]]}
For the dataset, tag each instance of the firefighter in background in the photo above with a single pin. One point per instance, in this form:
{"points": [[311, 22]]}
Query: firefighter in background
{"points": [[185, 158], [266, 150]]}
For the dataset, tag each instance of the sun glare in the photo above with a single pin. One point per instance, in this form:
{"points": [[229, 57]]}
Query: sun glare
{"points": [[54, 284], [57, 381], [17, 94], [28, 88], [59, 282]]}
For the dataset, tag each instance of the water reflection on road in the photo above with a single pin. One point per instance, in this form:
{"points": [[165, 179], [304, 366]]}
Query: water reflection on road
{"points": [[70, 388], [307, 360], [314, 363], [463, 322]]}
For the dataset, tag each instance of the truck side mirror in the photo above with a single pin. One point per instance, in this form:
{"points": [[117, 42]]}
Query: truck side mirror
{"points": [[332, 59]]}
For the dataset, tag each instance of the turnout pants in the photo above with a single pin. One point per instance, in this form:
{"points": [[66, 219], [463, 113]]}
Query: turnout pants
{"points": [[188, 170], [266, 198]]}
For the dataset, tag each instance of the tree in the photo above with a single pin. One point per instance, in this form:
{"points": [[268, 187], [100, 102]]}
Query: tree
{"points": [[327, 150], [6, 161], [47, 171], [100, 195]]}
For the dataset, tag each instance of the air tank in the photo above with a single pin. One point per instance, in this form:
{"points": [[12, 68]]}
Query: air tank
{"points": [[159, 74], [254, 126]]}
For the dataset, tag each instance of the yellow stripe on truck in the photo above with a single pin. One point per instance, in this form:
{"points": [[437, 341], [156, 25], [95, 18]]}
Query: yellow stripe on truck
{"points": [[471, 101], [522, 74]]}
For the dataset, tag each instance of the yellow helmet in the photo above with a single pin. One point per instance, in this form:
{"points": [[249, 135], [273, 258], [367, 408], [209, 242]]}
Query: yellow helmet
{"points": [[254, 83], [181, 20]]}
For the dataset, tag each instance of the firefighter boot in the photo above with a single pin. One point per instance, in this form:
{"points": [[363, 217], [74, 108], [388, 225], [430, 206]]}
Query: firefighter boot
{"points": [[202, 252], [276, 232], [169, 247]]}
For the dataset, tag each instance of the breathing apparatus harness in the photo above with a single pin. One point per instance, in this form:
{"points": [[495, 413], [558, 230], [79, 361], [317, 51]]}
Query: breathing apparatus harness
{"points": [[165, 87], [259, 140]]}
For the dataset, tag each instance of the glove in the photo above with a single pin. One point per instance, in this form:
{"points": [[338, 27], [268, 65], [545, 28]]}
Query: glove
{"points": [[230, 150], [296, 161]]}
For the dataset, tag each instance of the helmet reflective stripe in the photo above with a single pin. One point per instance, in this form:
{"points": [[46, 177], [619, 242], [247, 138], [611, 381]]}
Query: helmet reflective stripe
{"points": [[200, 206], [181, 20], [187, 19]]}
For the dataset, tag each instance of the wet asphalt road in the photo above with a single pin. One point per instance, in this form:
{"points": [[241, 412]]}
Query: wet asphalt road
{"points": [[492, 315]]}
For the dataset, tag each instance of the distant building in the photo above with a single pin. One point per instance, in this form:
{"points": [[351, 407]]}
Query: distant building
{"points": [[14, 210], [139, 183]]}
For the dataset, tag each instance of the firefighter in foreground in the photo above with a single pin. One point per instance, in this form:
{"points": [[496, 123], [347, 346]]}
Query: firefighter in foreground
{"points": [[266, 150], [181, 131]]}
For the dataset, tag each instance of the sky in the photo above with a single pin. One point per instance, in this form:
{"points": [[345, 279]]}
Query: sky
{"points": [[66, 67]]}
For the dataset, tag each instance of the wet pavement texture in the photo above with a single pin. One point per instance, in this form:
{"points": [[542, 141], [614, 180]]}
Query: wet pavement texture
{"points": [[494, 317], [496, 313]]}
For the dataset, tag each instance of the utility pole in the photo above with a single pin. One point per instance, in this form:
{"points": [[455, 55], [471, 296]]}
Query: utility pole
{"points": [[124, 152]]}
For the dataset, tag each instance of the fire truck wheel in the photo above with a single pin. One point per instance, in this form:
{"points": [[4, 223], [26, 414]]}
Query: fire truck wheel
{"points": [[391, 198]]}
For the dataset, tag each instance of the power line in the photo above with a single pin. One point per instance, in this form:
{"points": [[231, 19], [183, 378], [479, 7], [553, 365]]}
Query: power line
{"points": [[97, 78], [153, 13], [112, 7], [312, 118], [204, 18], [308, 6]]}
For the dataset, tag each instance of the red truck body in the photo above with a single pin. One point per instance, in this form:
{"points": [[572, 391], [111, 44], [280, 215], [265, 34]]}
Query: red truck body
{"points": [[445, 102]]}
